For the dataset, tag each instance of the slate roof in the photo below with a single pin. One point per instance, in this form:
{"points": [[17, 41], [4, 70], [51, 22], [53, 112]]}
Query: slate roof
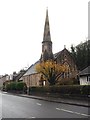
{"points": [[31, 69], [86, 71], [20, 74], [56, 54], [60, 52]]}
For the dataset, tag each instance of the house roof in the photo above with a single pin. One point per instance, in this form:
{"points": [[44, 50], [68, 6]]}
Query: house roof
{"points": [[86, 71], [20, 74], [32, 69]]}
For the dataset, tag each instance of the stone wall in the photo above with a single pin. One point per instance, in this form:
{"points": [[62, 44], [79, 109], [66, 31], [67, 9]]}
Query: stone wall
{"points": [[32, 80]]}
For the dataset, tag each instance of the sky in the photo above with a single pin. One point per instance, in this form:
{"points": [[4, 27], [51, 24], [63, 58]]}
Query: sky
{"points": [[22, 26]]}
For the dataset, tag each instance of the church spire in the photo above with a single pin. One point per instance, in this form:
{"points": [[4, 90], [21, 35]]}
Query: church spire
{"points": [[47, 36], [46, 43]]}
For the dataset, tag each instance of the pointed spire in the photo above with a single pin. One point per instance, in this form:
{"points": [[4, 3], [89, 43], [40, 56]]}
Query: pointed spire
{"points": [[47, 43], [47, 36], [47, 15]]}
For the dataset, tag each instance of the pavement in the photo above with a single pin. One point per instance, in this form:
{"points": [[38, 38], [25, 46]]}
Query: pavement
{"points": [[74, 101]]}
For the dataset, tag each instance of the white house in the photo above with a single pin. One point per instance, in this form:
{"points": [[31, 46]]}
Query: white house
{"points": [[3, 79], [1, 82], [84, 76]]}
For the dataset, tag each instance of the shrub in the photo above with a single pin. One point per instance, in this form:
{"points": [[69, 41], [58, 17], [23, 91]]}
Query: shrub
{"points": [[16, 86], [85, 89], [20, 86], [10, 86]]}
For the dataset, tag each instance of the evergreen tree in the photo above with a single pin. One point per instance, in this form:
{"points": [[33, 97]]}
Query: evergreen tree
{"points": [[81, 54]]}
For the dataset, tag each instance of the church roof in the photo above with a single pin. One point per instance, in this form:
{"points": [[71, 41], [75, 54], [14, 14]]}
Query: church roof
{"points": [[60, 52], [32, 69], [56, 54]]}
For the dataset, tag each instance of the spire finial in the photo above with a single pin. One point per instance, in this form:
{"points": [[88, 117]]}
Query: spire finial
{"points": [[64, 46]]}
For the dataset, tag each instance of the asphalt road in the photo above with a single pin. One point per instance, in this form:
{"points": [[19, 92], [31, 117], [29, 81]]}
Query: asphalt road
{"points": [[20, 107]]}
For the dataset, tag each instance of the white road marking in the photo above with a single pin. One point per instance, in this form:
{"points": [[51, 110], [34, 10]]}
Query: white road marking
{"points": [[85, 115], [38, 104], [67, 110], [57, 108], [32, 117], [72, 112], [77, 113], [4, 92]]}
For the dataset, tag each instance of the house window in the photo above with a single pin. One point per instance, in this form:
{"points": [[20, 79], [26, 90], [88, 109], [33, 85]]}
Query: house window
{"points": [[89, 79]]}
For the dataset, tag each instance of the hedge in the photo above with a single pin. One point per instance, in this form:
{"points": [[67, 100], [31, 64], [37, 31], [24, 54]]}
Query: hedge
{"points": [[15, 86], [63, 89]]}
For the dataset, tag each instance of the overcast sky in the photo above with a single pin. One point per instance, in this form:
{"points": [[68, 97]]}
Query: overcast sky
{"points": [[22, 26]]}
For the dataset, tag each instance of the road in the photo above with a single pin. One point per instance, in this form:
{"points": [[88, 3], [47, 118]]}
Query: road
{"points": [[22, 107]]}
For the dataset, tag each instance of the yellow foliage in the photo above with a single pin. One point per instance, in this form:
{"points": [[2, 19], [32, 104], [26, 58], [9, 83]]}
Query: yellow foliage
{"points": [[48, 66], [51, 70]]}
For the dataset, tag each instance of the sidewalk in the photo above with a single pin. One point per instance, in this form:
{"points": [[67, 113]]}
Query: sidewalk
{"points": [[78, 102]]}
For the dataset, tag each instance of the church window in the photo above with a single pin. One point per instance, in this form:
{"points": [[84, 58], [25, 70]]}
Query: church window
{"points": [[62, 75], [68, 74], [44, 83]]}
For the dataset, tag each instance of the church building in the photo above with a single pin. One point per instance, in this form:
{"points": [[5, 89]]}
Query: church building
{"points": [[32, 78]]}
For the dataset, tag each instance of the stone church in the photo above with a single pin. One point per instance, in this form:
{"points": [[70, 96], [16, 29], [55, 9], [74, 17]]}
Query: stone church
{"points": [[32, 78]]}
